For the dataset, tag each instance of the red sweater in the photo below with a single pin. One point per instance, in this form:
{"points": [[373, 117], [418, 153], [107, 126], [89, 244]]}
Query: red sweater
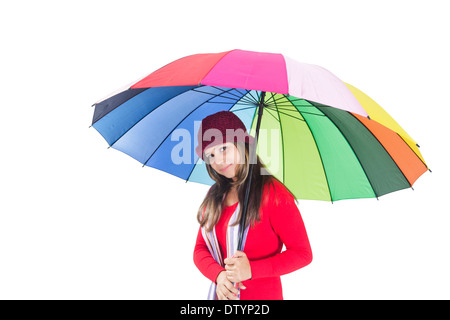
{"points": [[279, 224]]}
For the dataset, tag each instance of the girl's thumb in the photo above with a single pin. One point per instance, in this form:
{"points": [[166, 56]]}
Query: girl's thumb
{"points": [[241, 286]]}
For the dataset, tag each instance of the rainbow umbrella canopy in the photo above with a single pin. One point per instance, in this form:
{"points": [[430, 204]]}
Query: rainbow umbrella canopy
{"points": [[323, 138]]}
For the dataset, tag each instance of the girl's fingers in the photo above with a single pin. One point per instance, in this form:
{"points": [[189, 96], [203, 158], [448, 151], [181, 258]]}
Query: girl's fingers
{"points": [[231, 288], [231, 278], [227, 291], [227, 295], [220, 295], [232, 275]]}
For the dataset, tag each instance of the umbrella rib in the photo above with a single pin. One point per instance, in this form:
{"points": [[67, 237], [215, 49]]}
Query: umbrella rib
{"points": [[214, 95], [270, 109], [224, 91], [243, 108], [275, 100], [273, 103], [311, 102], [225, 97], [268, 102], [248, 98], [251, 97], [351, 147], [318, 150], [126, 100], [253, 119], [282, 142], [241, 98], [237, 103], [414, 152], [179, 94], [175, 128], [289, 115], [292, 99], [384, 149], [303, 112]]}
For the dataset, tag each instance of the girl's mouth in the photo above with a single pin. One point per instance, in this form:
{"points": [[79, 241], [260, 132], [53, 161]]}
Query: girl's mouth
{"points": [[226, 168]]}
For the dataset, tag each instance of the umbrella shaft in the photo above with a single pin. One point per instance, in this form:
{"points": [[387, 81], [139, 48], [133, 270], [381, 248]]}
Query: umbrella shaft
{"points": [[253, 158]]}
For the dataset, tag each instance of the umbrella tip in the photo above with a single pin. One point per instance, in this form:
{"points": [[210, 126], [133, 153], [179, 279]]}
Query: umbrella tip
{"points": [[417, 145], [368, 117]]}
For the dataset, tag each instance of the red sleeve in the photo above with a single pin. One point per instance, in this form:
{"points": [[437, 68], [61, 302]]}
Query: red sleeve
{"points": [[204, 260], [287, 223]]}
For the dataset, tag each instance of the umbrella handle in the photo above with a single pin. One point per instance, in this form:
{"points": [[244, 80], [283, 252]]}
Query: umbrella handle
{"points": [[253, 158]]}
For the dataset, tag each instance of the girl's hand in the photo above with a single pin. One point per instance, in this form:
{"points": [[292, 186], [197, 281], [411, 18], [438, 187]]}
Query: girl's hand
{"points": [[225, 289], [238, 267]]}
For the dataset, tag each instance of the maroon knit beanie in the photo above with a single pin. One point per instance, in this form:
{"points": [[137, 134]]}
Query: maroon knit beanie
{"points": [[221, 127]]}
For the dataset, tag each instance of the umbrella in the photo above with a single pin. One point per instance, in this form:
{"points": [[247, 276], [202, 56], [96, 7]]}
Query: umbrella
{"points": [[323, 138]]}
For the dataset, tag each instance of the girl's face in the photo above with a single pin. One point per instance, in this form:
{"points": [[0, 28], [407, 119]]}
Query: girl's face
{"points": [[224, 159]]}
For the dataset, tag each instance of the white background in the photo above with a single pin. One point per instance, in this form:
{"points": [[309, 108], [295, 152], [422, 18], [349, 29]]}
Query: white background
{"points": [[79, 221]]}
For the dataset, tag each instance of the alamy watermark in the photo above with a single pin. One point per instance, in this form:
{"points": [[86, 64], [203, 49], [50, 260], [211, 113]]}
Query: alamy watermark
{"points": [[268, 142]]}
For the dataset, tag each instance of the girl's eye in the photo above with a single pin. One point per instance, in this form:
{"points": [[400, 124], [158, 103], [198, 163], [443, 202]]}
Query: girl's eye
{"points": [[211, 155]]}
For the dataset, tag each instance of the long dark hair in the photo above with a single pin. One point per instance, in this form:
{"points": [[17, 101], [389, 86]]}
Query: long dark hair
{"points": [[215, 197]]}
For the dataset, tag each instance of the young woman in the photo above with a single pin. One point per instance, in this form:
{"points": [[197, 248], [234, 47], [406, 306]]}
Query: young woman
{"points": [[272, 220]]}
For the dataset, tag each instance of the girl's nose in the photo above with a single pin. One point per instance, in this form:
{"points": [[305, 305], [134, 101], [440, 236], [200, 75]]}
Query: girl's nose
{"points": [[219, 160]]}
